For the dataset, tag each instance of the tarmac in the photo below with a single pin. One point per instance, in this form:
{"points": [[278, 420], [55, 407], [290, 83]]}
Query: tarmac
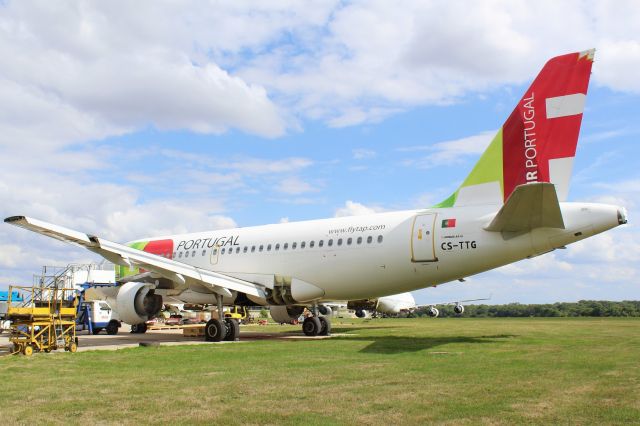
{"points": [[165, 337]]}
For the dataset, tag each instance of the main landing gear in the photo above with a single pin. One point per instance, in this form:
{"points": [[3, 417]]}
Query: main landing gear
{"points": [[227, 329], [316, 325]]}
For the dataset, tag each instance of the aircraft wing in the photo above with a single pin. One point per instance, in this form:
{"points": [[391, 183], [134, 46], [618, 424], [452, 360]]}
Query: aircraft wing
{"points": [[130, 257], [530, 206], [457, 302]]}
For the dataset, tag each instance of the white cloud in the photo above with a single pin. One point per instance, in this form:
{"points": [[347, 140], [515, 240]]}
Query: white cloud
{"points": [[108, 74], [449, 152], [352, 208], [295, 186], [363, 154]]}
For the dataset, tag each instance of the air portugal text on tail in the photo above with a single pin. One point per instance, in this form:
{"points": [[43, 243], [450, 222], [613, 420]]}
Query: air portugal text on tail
{"points": [[538, 141], [510, 207]]}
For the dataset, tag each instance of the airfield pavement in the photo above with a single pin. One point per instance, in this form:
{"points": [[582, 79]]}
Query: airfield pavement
{"points": [[165, 337]]}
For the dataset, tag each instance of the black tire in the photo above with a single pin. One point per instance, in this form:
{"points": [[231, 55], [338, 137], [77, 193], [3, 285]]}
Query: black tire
{"points": [[325, 326], [311, 326], [233, 329], [97, 330], [112, 327], [214, 331], [139, 328]]}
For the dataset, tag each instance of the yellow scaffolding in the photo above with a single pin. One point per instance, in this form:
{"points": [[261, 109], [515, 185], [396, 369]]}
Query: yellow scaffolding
{"points": [[44, 320]]}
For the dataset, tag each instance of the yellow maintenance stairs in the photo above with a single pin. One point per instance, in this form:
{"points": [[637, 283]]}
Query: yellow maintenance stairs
{"points": [[43, 320]]}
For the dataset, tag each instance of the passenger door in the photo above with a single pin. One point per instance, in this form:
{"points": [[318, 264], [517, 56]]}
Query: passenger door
{"points": [[422, 242]]}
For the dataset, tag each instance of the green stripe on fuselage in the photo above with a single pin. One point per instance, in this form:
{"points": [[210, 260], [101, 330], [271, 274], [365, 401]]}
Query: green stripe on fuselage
{"points": [[124, 271]]}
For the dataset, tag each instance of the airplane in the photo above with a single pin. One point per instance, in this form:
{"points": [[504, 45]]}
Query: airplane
{"points": [[402, 303], [512, 206], [387, 305]]}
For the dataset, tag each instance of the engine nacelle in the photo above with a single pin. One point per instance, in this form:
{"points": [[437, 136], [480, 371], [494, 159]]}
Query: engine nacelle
{"points": [[361, 313], [458, 309], [433, 312], [325, 310], [137, 302], [285, 314]]}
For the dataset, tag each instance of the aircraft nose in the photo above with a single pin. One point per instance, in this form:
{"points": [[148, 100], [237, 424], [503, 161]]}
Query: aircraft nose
{"points": [[622, 215]]}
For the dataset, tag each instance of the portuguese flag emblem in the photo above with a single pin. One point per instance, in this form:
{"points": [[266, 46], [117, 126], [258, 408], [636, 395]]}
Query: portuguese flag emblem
{"points": [[449, 223]]}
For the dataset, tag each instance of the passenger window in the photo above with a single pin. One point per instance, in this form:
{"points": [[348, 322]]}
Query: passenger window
{"points": [[193, 253], [339, 241], [349, 240], [379, 238], [230, 250], [312, 243], [253, 249], [174, 254], [186, 254], [320, 243], [180, 254], [244, 250], [237, 250], [269, 247], [222, 251], [204, 252], [286, 246], [277, 246], [359, 240], [302, 244], [261, 247], [293, 246], [215, 251], [330, 242], [369, 239]]}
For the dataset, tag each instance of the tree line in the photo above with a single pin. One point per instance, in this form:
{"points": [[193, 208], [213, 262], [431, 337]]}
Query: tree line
{"points": [[583, 308]]}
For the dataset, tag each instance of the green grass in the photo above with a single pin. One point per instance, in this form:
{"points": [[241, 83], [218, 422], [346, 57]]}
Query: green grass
{"points": [[390, 371]]}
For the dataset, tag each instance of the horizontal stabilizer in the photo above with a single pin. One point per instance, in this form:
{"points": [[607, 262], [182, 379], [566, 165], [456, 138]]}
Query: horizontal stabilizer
{"points": [[530, 206]]}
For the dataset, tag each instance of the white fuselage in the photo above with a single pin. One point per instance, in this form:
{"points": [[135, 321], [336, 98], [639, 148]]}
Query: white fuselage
{"points": [[382, 254]]}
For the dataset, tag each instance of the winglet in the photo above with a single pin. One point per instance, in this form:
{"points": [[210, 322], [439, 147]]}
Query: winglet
{"points": [[530, 206]]}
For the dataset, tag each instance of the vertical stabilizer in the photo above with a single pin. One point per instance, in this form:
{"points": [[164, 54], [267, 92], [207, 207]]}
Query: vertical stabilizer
{"points": [[538, 141]]}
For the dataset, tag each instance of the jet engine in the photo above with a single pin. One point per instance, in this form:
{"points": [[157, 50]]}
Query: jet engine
{"points": [[433, 312], [137, 302], [285, 314], [361, 313], [325, 310], [458, 309]]}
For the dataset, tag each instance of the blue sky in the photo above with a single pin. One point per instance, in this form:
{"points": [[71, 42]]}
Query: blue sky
{"points": [[133, 120]]}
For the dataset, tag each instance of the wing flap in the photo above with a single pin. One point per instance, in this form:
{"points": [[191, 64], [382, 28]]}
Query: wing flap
{"points": [[530, 206]]}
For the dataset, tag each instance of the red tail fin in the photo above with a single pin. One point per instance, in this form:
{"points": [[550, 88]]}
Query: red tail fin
{"points": [[538, 141]]}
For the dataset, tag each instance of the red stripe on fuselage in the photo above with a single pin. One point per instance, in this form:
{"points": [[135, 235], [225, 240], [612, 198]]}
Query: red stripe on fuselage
{"points": [[160, 247]]}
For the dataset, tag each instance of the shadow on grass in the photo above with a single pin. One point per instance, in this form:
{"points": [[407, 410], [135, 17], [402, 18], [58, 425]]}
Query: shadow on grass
{"points": [[400, 344]]}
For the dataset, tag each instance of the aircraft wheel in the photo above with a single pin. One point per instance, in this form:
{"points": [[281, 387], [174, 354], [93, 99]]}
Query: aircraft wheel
{"points": [[139, 328], [233, 329], [214, 331], [112, 327], [311, 326], [325, 326]]}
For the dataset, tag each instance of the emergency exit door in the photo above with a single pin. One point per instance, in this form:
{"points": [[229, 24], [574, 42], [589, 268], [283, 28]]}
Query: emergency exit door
{"points": [[422, 242]]}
